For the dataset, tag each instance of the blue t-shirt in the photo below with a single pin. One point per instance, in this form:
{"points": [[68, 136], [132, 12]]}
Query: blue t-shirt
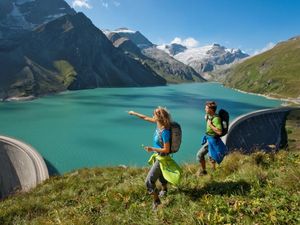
{"points": [[158, 142]]}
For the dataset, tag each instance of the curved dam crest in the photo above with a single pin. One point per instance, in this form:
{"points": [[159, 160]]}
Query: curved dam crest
{"points": [[259, 130], [21, 167]]}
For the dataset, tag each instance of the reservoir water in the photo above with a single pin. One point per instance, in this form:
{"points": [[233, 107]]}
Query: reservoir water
{"points": [[91, 128]]}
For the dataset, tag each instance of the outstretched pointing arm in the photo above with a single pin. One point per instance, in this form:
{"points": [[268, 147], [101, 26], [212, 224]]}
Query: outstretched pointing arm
{"points": [[142, 116]]}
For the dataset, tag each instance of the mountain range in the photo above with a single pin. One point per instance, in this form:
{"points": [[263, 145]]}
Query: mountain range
{"points": [[204, 59], [41, 53], [137, 46], [47, 47]]}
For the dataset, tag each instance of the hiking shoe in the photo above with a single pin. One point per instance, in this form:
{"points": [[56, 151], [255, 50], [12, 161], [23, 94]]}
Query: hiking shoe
{"points": [[202, 173], [162, 193], [155, 204]]}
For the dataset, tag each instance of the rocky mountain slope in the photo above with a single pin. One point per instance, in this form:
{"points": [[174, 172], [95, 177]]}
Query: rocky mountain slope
{"points": [[19, 16], [275, 72], [140, 48], [135, 36], [67, 53], [46, 47], [204, 59]]}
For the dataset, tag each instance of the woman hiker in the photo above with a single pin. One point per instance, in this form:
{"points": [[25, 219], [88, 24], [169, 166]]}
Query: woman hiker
{"points": [[164, 168]]}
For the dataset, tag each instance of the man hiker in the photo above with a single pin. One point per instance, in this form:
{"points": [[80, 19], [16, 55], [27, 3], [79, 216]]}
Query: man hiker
{"points": [[213, 145]]}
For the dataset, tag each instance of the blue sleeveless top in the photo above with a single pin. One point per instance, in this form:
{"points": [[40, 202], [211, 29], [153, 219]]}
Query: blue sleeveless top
{"points": [[160, 137]]}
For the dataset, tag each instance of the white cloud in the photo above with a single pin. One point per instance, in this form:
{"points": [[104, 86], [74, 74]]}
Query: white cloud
{"points": [[266, 48], [81, 4], [188, 42], [107, 3]]}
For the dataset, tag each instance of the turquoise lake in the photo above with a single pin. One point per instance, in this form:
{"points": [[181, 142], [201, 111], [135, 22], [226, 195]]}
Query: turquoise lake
{"points": [[91, 128]]}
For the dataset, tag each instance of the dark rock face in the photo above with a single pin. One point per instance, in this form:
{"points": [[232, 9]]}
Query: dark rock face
{"points": [[175, 48], [129, 48], [67, 53], [136, 37], [169, 68], [203, 66]]}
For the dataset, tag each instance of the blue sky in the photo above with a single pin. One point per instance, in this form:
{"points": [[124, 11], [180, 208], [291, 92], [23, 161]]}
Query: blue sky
{"points": [[251, 25]]}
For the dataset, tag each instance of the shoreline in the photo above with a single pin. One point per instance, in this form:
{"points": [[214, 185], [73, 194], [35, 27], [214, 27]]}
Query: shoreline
{"points": [[290, 100], [16, 99], [286, 101]]}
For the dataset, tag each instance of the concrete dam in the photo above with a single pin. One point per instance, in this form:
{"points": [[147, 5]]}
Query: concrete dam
{"points": [[259, 130], [21, 167]]}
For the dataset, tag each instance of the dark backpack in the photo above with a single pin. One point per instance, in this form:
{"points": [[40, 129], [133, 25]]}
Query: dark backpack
{"points": [[176, 136], [224, 116]]}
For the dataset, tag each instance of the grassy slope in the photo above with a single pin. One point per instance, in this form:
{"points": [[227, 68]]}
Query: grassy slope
{"points": [[280, 66], [256, 189], [66, 72]]}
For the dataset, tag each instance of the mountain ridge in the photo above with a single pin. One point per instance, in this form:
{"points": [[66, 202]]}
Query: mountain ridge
{"points": [[163, 64], [274, 72], [76, 55]]}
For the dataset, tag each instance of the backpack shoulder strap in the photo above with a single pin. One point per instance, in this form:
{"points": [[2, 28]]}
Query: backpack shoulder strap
{"points": [[160, 137], [214, 116]]}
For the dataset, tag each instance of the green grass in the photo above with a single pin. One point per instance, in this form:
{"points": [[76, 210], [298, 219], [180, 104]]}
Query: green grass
{"points": [[245, 189], [260, 188], [275, 72], [66, 72]]}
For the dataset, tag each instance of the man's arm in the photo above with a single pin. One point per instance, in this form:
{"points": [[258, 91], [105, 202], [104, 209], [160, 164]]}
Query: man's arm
{"points": [[217, 130]]}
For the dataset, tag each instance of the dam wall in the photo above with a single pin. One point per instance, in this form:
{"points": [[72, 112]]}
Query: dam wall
{"points": [[21, 167], [259, 130]]}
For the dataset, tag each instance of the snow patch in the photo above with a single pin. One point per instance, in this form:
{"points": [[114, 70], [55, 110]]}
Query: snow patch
{"points": [[105, 31], [232, 50], [51, 17], [16, 20], [163, 48], [192, 54], [124, 30]]}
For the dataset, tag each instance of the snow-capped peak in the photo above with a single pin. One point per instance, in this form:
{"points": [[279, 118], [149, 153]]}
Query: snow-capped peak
{"points": [[124, 30], [205, 58]]}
